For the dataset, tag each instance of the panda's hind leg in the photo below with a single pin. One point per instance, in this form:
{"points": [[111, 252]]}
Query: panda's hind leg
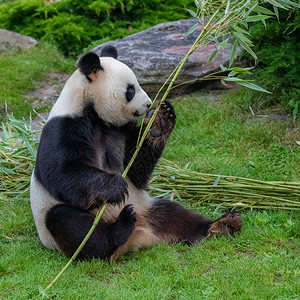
{"points": [[167, 221], [69, 226]]}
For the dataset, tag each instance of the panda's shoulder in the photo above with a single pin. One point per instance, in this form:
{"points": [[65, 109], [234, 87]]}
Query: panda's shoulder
{"points": [[72, 126]]}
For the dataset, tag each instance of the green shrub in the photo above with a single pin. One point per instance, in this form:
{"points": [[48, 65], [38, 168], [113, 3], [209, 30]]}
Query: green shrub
{"points": [[277, 48], [74, 24]]}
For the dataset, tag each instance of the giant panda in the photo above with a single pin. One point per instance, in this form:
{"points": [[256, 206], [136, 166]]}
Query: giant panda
{"points": [[86, 143]]}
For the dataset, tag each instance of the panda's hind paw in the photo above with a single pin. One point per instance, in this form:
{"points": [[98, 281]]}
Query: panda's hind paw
{"points": [[230, 223]]}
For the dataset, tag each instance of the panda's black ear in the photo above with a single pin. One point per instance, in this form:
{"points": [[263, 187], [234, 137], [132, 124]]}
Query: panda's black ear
{"points": [[109, 51], [89, 63]]}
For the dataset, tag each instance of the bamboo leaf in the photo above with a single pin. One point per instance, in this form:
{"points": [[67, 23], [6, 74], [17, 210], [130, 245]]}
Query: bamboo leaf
{"points": [[232, 73], [276, 12], [5, 134], [275, 3], [7, 170], [223, 82], [253, 86], [289, 4], [217, 181], [264, 10], [192, 29], [223, 68], [213, 55], [235, 79], [233, 51], [240, 36], [227, 7], [241, 70], [191, 12], [250, 11], [257, 18], [29, 147], [239, 29], [247, 48]]}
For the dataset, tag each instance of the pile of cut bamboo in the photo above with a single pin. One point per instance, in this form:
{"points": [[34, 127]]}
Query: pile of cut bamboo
{"points": [[170, 180]]}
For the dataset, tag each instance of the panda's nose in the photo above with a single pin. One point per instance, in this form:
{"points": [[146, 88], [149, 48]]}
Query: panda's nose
{"points": [[148, 105]]}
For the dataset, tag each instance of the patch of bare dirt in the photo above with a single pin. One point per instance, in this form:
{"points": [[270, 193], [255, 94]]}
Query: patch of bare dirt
{"points": [[48, 91], [45, 95]]}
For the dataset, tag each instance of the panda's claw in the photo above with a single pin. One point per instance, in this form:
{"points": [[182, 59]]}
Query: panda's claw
{"points": [[155, 132], [150, 113], [163, 124]]}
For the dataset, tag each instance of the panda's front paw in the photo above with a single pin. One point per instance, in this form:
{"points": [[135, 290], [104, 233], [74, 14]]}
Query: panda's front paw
{"points": [[163, 123], [117, 190]]}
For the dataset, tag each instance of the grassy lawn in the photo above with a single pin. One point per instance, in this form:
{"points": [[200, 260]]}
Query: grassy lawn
{"points": [[218, 137]]}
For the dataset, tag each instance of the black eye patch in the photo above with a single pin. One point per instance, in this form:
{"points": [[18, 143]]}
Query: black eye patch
{"points": [[130, 92]]}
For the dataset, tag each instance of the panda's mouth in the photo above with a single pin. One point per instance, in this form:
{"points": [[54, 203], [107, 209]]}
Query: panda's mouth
{"points": [[136, 114]]}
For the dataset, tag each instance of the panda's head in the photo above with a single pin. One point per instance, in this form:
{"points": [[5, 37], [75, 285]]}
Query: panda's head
{"points": [[112, 87]]}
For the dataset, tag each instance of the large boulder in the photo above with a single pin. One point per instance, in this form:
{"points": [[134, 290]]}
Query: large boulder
{"points": [[154, 53], [10, 40]]}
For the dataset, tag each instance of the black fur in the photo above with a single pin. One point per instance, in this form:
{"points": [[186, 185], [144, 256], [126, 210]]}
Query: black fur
{"points": [[172, 221], [66, 162], [69, 226], [145, 162], [130, 92], [67, 167], [89, 63], [109, 51], [153, 146]]}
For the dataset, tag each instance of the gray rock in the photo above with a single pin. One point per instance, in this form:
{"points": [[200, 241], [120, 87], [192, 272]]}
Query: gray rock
{"points": [[10, 40], [154, 53]]}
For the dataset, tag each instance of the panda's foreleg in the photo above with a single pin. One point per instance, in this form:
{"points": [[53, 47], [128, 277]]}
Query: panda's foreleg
{"points": [[69, 226], [152, 148]]}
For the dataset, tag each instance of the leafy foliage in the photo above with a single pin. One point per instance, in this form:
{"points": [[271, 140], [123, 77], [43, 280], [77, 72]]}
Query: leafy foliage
{"points": [[73, 24], [277, 48]]}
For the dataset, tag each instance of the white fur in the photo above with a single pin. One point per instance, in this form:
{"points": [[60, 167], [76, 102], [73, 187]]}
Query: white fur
{"points": [[41, 202], [71, 101]]}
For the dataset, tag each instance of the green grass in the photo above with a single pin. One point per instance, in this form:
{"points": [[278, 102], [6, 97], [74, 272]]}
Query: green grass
{"points": [[21, 70], [215, 137], [261, 263]]}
